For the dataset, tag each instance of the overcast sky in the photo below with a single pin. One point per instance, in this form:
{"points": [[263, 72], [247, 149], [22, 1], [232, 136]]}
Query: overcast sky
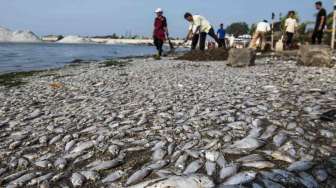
{"points": [[101, 17]]}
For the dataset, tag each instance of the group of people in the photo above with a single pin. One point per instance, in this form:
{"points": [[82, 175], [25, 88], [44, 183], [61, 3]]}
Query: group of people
{"points": [[198, 30], [200, 27]]}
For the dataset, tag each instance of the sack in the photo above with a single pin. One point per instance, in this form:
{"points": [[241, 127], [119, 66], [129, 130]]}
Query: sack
{"points": [[279, 46]]}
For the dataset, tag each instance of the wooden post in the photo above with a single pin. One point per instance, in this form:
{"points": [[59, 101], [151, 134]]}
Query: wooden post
{"points": [[333, 27]]}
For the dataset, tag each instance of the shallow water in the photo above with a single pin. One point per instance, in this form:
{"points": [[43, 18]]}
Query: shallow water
{"points": [[16, 57]]}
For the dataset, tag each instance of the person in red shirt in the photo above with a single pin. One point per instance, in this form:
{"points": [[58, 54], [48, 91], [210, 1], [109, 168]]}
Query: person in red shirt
{"points": [[160, 30]]}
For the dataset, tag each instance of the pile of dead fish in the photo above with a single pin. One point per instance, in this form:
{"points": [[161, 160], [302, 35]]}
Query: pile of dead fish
{"points": [[168, 123]]}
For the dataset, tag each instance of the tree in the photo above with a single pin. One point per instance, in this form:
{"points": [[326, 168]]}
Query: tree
{"points": [[238, 28]]}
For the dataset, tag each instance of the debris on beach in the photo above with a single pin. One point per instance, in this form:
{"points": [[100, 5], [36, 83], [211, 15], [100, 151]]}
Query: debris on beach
{"points": [[218, 54]]}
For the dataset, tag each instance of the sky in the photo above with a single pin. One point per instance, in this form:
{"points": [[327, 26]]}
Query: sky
{"points": [[104, 17]]}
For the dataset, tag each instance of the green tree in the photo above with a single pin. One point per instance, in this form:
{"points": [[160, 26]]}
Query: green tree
{"points": [[238, 28]]}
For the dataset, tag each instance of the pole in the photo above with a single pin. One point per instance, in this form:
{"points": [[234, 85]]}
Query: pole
{"points": [[333, 27], [273, 16]]}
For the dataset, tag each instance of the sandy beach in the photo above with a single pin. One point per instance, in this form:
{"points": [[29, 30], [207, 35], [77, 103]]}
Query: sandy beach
{"points": [[97, 124]]}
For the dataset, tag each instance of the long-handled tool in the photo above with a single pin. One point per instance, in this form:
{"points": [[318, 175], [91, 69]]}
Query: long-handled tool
{"points": [[172, 49]]}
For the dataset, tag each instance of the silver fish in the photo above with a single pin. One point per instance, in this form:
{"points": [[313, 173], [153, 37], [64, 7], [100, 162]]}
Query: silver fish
{"points": [[308, 180], [212, 155], [259, 164], [158, 165], [241, 178], [271, 184], [77, 179], [114, 150], [40, 179], [193, 167], [82, 146], [210, 168], [83, 157], [320, 174], [251, 158], [221, 160], [181, 161], [69, 145], [300, 166], [171, 148], [105, 165], [228, 171], [90, 175], [23, 179], [279, 139], [60, 163], [159, 154], [13, 176], [138, 176], [113, 176], [269, 132], [55, 139]]}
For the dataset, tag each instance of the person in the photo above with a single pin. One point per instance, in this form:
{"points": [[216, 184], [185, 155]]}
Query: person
{"points": [[262, 28], [221, 35], [160, 31], [320, 23], [290, 28], [198, 30]]}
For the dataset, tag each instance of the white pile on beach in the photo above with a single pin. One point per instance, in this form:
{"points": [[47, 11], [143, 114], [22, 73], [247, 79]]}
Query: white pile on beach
{"points": [[7, 35], [72, 39]]}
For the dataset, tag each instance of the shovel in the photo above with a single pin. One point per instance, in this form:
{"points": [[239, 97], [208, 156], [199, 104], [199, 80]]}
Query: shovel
{"points": [[172, 49]]}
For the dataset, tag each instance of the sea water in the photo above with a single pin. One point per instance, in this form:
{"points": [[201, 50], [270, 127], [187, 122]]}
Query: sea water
{"points": [[16, 57]]}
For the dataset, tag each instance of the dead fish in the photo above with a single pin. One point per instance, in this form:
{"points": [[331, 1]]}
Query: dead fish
{"points": [[271, 184], [90, 175], [176, 155], [60, 163], [58, 177], [114, 150], [77, 179], [13, 176], [69, 145], [82, 146], [320, 174], [212, 155], [190, 145], [308, 180], [55, 139], [193, 167], [255, 132], [210, 168], [245, 145], [105, 165], [300, 166], [221, 160], [113, 176], [3, 170], [279, 139], [251, 158], [14, 145], [277, 155], [194, 153], [181, 161], [158, 165], [43, 164], [259, 164], [159, 154], [164, 173], [138, 176], [281, 176], [40, 179], [269, 132], [23, 179], [159, 145], [171, 148], [228, 171], [241, 178], [83, 157]]}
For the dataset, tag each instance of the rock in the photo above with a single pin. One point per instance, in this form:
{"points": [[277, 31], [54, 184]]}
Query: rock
{"points": [[315, 55], [241, 57]]}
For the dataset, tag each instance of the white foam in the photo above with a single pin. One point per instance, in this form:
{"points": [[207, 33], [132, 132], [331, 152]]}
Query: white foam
{"points": [[75, 40], [7, 35]]}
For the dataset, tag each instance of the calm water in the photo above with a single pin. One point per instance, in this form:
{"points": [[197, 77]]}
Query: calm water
{"points": [[25, 57]]}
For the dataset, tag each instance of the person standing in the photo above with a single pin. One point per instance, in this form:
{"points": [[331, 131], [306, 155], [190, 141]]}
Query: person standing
{"points": [[160, 31], [262, 28], [321, 19], [221, 36], [290, 28], [198, 30]]}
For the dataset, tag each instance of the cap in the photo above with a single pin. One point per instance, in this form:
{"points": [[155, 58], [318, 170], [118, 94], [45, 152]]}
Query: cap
{"points": [[158, 10]]}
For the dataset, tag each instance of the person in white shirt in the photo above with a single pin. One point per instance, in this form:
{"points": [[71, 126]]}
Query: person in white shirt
{"points": [[290, 28], [261, 30], [198, 30]]}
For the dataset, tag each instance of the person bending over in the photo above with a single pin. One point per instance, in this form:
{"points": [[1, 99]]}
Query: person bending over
{"points": [[198, 30]]}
